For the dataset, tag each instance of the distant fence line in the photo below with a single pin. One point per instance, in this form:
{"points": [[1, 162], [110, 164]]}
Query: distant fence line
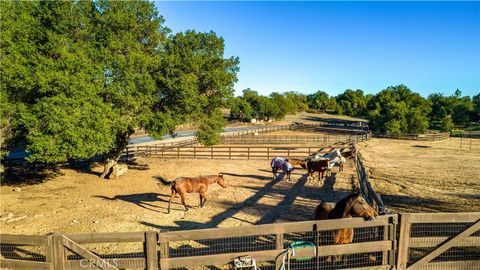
{"points": [[465, 134], [231, 152], [417, 137], [190, 148], [397, 241]]}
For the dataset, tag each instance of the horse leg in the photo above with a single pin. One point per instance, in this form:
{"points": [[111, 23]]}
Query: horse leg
{"points": [[182, 196], [202, 202], [288, 176], [274, 172], [171, 198]]}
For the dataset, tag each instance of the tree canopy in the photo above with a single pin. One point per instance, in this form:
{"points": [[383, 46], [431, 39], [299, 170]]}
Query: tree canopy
{"points": [[81, 76]]}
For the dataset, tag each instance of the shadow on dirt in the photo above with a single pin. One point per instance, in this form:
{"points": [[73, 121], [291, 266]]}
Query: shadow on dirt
{"points": [[29, 175], [143, 200]]}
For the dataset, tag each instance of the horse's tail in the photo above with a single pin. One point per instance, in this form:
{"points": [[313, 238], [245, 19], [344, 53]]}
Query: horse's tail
{"points": [[163, 181]]}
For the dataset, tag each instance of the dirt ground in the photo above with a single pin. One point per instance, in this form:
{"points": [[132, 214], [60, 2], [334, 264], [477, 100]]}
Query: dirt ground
{"points": [[425, 176], [411, 176], [77, 201]]}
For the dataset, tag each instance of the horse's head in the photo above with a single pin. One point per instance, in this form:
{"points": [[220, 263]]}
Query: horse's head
{"points": [[304, 164], [360, 207], [221, 181]]}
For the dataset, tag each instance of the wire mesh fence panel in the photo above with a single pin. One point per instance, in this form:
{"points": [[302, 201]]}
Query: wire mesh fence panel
{"points": [[357, 260], [110, 250], [264, 265], [426, 237], [221, 245], [23, 252]]}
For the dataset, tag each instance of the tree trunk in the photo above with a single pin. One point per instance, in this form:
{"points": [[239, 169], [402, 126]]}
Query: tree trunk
{"points": [[114, 155]]}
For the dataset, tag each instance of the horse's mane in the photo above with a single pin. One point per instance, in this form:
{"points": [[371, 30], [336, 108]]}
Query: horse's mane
{"points": [[342, 207]]}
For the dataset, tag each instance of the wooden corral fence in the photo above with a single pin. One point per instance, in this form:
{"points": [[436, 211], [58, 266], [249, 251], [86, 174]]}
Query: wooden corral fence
{"points": [[366, 188], [324, 139], [417, 137], [403, 241], [342, 129], [233, 151]]}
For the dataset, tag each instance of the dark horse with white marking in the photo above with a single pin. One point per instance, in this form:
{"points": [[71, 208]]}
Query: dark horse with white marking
{"points": [[352, 205], [183, 185]]}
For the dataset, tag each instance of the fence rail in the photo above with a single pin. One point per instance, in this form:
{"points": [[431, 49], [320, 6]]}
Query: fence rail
{"points": [[366, 188], [234, 151], [417, 137], [424, 241]]}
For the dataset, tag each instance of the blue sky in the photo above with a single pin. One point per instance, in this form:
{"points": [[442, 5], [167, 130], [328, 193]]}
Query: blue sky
{"points": [[332, 46]]}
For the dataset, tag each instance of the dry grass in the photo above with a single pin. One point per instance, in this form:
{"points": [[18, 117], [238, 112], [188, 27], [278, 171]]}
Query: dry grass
{"points": [[418, 176]]}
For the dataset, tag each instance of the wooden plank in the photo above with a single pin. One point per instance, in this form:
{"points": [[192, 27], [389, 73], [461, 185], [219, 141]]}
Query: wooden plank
{"points": [[92, 258], [377, 267], [354, 248], [445, 217], [23, 265], [405, 227], [164, 253], [85, 238], [279, 246], [122, 263], [58, 252], [453, 265], [49, 256], [25, 240], [289, 227], [422, 242], [446, 245], [271, 255], [151, 250]]}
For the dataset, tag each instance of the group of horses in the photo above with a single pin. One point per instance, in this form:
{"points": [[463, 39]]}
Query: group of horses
{"points": [[352, 205], [322, 164]]}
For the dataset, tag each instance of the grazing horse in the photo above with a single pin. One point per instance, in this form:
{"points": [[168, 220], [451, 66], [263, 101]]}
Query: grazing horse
{"points": [[182, 185], [352, 205], [335, 157], [319, 165], [349, 153], [281, 163]]}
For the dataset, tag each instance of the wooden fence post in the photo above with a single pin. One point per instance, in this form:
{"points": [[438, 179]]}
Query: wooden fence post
{"points": [[150, 246], [279, 245], [58, 252], [49, 255], [229, 152], [404, 239], [164, 252]]}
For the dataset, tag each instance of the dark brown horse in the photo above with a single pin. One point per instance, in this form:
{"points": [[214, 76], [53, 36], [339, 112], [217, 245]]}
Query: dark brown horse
{"points": [[352, 205], [320, 166], [183, 185]]}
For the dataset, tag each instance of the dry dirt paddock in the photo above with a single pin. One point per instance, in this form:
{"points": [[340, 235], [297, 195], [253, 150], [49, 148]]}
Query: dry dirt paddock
{"points": [[425, 176], [76, 202]]}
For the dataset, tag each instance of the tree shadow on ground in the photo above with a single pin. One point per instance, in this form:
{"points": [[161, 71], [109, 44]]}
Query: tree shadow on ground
{"points": [[29, 175]]}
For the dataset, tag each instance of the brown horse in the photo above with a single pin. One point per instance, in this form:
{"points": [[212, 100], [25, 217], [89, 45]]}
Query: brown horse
{"points": [[297, 162], [182, 185], [320, 166], [352, 205]]}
